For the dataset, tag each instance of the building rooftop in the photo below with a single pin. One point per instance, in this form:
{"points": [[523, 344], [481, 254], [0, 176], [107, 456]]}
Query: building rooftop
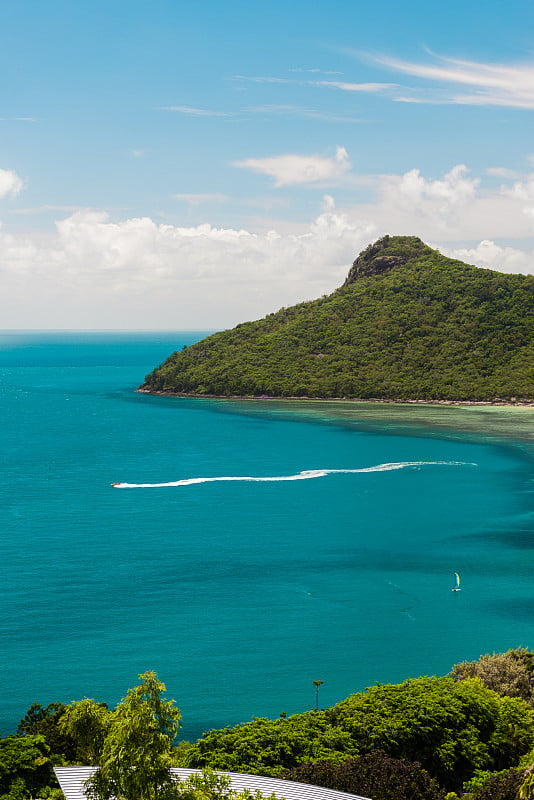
{"points": [[72, 779]]}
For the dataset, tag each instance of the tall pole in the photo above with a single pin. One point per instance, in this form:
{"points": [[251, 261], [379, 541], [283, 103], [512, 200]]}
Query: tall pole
{"points": [[317, 684]]}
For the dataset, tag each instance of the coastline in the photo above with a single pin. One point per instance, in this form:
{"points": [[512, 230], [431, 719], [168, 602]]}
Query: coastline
{"points": [[523, 403]]}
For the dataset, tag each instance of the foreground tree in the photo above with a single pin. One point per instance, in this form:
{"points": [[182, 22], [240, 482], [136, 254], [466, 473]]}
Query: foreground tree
{"points": [[136, 753], [45, 721], [87, 723], [25, 766]]}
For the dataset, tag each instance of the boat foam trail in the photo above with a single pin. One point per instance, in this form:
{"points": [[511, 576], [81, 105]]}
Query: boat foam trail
{"points": [[305, 475]]}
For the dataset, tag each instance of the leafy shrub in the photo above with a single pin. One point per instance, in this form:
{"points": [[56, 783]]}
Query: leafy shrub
{"points": [[375, 775], [452, 728], [510, 673], [25, 766], [265, 746], [502, 786]]}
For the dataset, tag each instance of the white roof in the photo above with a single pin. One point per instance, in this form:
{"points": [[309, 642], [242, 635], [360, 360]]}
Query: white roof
{"points": [[71, 780]]}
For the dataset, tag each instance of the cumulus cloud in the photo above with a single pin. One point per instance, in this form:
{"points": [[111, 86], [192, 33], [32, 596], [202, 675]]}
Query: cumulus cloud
{"points": [[522, 190], [92, 271], [501, 172], [452, 207], [10, 183], [434, 206], [293, 169], [452, 190], [493, 256]]}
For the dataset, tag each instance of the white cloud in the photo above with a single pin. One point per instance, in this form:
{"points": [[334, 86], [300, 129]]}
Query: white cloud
{"points": [[266, 79], [299, 111], [328, 203], [321, 71], [439, 201], [413, 100], [356, 87], [346, 86], [134, 273], [97, 273], [43, 210], [293, 169], [196, 199], [10, 183], [489, 84], [18, 119], [454, 207], [191, 111], [493, 256], [452, 190], [501, 172], [522, 190]]}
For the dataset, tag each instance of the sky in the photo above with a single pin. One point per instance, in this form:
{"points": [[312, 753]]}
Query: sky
{"points": [[191, 165]]}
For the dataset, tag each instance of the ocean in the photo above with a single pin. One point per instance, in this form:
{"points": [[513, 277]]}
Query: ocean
{"points": [[251, 547]]}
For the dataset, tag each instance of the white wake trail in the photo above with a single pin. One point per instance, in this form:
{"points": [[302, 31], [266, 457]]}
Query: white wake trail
{"points": [[305, 475]]}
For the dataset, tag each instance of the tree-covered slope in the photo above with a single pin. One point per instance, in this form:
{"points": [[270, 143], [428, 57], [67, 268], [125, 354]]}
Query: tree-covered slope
{"points": [[408, 323]]}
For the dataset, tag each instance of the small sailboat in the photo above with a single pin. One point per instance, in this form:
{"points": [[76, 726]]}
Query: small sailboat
{"points": [[456, 587]]}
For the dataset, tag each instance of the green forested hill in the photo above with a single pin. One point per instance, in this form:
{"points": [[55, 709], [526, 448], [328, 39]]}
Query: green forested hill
{"points": [[408, 323]]}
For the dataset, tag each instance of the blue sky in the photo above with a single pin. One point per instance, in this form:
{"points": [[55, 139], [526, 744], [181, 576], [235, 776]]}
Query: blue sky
{"points": [[192, 165]]}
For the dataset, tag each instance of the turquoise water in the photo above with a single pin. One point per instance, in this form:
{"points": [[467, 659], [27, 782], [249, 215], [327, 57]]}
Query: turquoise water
{"points": [[241, 593]]}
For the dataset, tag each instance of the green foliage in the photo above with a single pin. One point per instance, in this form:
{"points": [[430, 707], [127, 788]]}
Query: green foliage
{"points": [[136, 754], [428, 327], [46, 722], [485, 785], [375, 775], [452, 728], [456, 729], [266, 746], [87, 724], [208, 785], [25, 766], [504, 785], [510, 673]]}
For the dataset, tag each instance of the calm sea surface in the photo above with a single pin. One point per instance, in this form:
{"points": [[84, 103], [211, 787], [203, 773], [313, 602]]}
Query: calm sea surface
{"points": [[240, 593]]}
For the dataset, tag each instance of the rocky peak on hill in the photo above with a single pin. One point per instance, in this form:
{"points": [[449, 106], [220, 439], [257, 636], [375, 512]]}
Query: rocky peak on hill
{"points": [[384, 255], [409, 323]]}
